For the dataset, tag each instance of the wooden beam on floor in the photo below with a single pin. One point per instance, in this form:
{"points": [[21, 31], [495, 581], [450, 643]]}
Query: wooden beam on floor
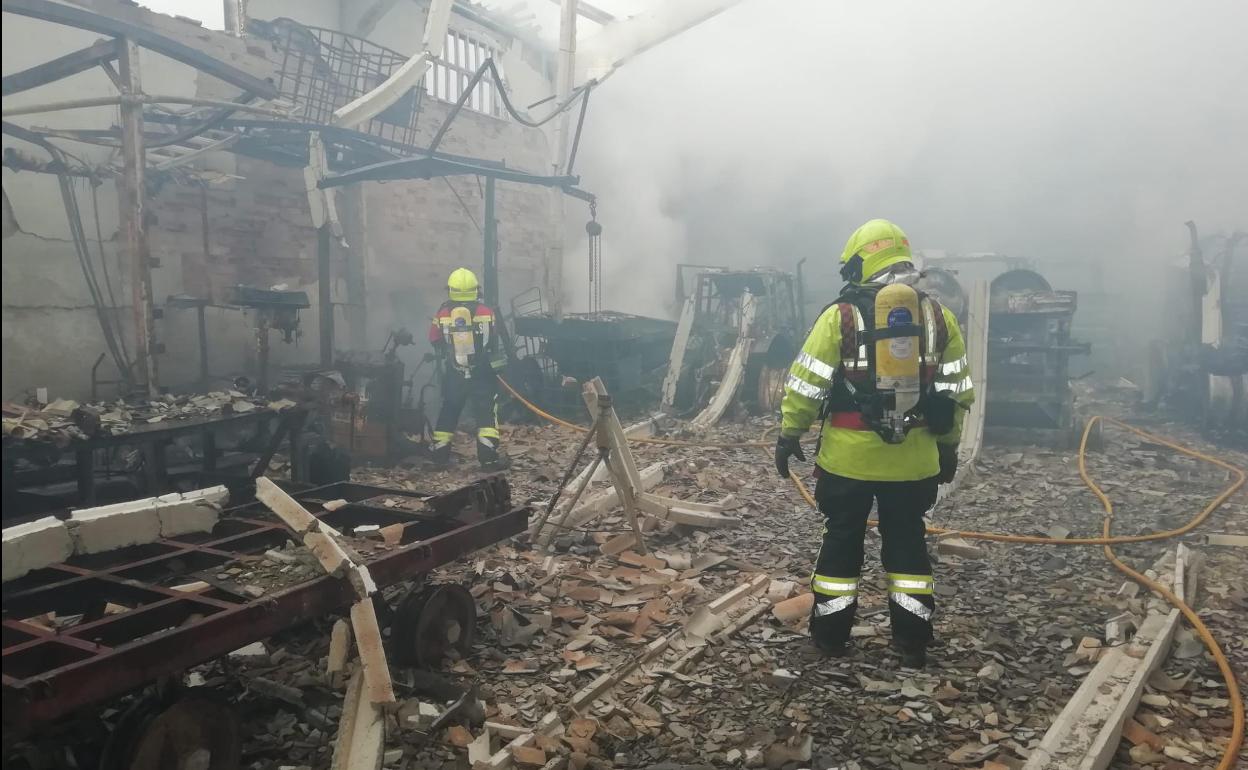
{"points": [[342, 562], [361, 741], [1086, 734]]}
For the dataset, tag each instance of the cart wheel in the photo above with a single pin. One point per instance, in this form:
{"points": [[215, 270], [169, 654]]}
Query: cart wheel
{"points": [[431, 621], [770, 389], [1096, 439], [197, 732]]}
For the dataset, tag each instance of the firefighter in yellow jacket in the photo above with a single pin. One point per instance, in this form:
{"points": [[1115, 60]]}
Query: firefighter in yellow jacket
{"points": [[465, 338], [885, 370]]}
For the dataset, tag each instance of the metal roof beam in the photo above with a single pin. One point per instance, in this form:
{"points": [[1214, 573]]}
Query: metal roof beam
{"points": [[145, 36], [61, 67], [432, 168]]}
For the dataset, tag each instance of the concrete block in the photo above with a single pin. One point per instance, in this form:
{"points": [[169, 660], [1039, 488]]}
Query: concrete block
{"points": [[956, 546], [196, 511], [110, 527], [35, 545], [136, 522]]}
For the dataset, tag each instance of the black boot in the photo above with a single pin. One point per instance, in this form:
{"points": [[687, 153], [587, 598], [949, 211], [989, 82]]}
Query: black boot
{"points": [[912, 655], [489, 455], [832, 649], [441, 455]]}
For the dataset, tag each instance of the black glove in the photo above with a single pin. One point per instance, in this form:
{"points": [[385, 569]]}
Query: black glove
{"points": [[787, 447], [948, 462]]}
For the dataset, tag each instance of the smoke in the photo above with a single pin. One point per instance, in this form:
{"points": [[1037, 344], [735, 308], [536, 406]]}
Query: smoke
{"points": [[1076, 134]]}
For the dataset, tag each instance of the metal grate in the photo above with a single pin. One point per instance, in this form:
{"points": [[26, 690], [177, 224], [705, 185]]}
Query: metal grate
{"points": [[323, 69], [449, 75], [101, 625]]}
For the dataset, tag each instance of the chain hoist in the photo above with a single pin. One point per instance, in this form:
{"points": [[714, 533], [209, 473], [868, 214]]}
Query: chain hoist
{"points": [[594, 231]]}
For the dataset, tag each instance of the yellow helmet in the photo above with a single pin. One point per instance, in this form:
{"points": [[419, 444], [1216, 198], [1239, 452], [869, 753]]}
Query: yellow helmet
{"points": [[875, 246], [462, 285]]}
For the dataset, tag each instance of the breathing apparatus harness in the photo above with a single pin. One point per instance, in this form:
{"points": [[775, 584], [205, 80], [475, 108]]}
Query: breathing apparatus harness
{"points": [[856, 399]]}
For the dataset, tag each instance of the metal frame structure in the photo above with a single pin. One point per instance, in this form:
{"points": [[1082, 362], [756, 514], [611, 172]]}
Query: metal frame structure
{"points": [[82, 60], [432, 166], [135, 628], [151, 441], [322, 70], [128, 37], [82, 18]]}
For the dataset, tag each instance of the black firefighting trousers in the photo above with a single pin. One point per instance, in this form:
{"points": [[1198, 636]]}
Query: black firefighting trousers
{"points": [[481, 390], [846, 504]]}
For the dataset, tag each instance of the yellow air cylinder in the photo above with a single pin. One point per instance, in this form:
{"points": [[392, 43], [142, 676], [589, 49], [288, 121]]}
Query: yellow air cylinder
{"points": [[897, 360], [462, 341]]}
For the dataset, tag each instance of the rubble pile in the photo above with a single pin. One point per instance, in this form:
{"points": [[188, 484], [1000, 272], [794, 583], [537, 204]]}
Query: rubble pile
{"points": [[1018, 627], [561, 673]]}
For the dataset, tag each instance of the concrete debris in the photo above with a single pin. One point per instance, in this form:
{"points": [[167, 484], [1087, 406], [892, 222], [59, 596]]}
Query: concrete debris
{"points": [[35, 545], [1239, 541], [610, 665], [137, 522], [956, 546], [38, 544], [253, 650], [339, 650]]}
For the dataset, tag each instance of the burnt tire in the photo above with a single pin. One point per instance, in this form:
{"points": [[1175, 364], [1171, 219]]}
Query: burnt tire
{"points": [[433, 622]]}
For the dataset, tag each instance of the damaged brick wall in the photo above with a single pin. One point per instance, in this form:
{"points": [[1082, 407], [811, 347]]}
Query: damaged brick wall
{"points": [[259, 230], [260, 234], [419, 231]]}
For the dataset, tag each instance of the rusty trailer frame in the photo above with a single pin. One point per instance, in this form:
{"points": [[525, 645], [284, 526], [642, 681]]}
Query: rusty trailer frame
{"points": [[136, 629]]}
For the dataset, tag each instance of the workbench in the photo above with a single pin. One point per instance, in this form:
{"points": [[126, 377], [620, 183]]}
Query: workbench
{"points": [[216, 466]]}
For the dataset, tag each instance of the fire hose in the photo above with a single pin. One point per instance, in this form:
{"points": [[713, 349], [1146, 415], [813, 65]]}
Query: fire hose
{"points": [[1106, 539], [535, 409]]}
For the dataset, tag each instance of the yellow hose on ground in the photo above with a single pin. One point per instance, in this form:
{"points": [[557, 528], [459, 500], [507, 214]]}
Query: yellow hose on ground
{"points": [[1106, 540], [535, 409], [1232, 687]]}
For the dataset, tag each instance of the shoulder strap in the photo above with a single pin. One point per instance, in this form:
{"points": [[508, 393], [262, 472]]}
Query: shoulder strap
{"points": [[938, 319], [849, 332]]}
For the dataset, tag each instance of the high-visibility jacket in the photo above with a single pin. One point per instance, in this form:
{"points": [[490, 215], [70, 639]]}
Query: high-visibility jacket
{"points": [[860, 453], [465, 335]]}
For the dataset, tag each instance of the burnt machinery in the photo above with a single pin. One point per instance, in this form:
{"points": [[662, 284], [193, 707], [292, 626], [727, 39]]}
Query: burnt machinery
{"points": [[1029, 351], [372, 408], [620, 348], [738, 333], [1200, 364], [1029, 342], [275, 309], [942, 284]]}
